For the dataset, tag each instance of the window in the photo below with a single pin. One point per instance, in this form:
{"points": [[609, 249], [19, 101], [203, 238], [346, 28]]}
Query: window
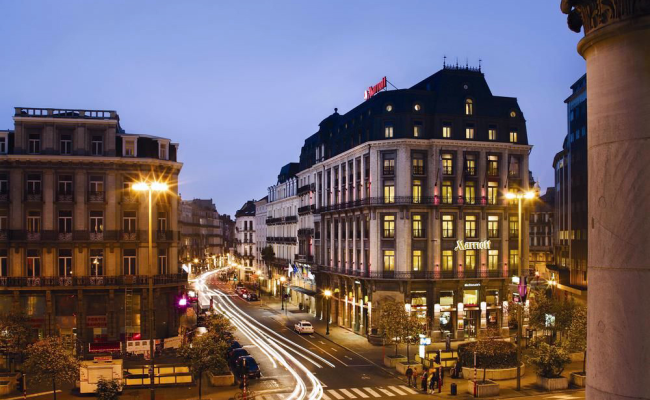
{"points": [[129, 147], [513, 224], [33, 221], [447, 197], [513, 167], [417, 191], [492, 132], [417, 129], [447, 260], [470, 164], [3, 144], [446, 130], [33, 263], [162, 222], [96, 262], [513, 136], [493, 226], [492, 192], [389, 166], [493, 165], [162, 151], [418, 229], [417, 260], [4, 267], [389, 226], [65, 262], [129, 261], [469, 132], [448, 226], [163, 268], [389, 192], [470, 192], [96, 221], [34, 144], [3, 221], [493, 260], [97, 145], [65, 221], [418, 165], [470, 260], [389, 260], [33, 184], [4, 184], [447, 164], [388, 130], [128, 221], [469, 107], [513, 259], [470, 227], [96, 184], [65, 184], [66, 145]]}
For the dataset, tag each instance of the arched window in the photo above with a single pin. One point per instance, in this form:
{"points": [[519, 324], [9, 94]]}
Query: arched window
{"points": [[469, 107]]}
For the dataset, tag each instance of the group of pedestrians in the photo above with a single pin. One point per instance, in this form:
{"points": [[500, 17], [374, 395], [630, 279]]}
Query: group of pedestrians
{"points": [[430, 380]]}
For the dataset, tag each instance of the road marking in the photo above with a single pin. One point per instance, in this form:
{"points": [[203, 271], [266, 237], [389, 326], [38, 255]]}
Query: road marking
{"points": [[360, 393], [335, 394], [372, 392], [321, 342], [325, 397], [408, 389], [347, 393], [396, 390], [387, 392], [32, 395], [333, 348], [349, 358]]}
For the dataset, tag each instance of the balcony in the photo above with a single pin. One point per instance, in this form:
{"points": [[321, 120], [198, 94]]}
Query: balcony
{"points": [[129, 236], [95, 197], [416, 275], [64, 236], [96, 236], [129, 198], [304, 258], [162, 236], [33, 236], [33, 197], [306, 209], [305, 232], [306, 189], [70, 281], [65, 197]]}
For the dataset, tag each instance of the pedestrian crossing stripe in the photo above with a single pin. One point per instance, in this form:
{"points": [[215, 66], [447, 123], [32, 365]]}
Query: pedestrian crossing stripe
{"points": [[353, 393], [396, 390], [386, 392], [372, 392], [347, 393], [360, 393]]}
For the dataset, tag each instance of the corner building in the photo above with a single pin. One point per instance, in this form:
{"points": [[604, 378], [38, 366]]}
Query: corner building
{"points": [[74, 236], [400, 185]]}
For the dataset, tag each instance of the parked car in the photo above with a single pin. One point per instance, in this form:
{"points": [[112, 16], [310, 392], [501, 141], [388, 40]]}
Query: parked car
{"points": [[252, 297], [235, 354], [233, 345], [252, 369], [304, 327]]}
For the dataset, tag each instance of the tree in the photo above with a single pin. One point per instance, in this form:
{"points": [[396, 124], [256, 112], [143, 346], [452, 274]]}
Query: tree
{"points": [[205, 353], [543, 305], [51, 359], [15, 334], [413, 327], [491, 353], [108, 389], [391, 321], [576, 338], [549, 361], [268, 255], [219, 327]]}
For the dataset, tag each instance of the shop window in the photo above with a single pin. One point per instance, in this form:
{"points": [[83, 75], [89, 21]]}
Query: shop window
{"points": [[446, 299], [470, 298]]}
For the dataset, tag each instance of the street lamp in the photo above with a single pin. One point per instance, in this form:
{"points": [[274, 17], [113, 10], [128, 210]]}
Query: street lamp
{"points": [[151, 187], [259, 283], [282, 279], [327, 294], [519, 196]]}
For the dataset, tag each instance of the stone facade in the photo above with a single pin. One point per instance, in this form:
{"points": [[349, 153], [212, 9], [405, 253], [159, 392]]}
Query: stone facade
{"points": [[201, 233]]}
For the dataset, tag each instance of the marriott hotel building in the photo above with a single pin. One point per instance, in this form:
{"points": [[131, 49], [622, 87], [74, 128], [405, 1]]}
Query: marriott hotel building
{"points": [[406, 198]]}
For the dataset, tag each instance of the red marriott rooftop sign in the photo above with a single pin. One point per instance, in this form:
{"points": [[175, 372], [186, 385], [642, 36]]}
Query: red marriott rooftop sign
{"points": [[372, 90]]}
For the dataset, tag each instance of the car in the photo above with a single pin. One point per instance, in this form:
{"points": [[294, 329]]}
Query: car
{"points": [[235, 354], [233, 345], [304, 327], [252, 369], [252, 297]]}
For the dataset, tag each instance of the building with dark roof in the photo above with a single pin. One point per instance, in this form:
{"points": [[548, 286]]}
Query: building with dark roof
{"points": [[245, 238], [201, 233]]}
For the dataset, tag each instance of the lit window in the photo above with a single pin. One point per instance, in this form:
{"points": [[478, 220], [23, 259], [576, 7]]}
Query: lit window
{"points": [[493, 165], [417, 260], [96, 262], [389, 260], [418, 166], [389, 192], [492, 192], [446, 131], [470, 227], [470, 164], [33, 263], [447, 260], [129, 147], [493, 260], [514, 258], [447, 193], [492, 133], [470, 192], [493, 226], [34, 221], [448, 226], [470, 260], [389, 166], [418, 231], [513, 167], [469, 107], [417, 191], [447, 164], [417, 129], [389, 226], [388, 130], [513, 136], [469, 132], [513, 224]]}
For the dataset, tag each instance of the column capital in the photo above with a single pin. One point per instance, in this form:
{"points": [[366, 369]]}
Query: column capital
{"points": [[596, 14]]}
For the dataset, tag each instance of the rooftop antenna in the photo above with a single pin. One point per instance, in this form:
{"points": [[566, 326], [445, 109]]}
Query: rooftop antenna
{"points": [[456, 62], [444, 61], [336, 110], [466, 63], [479, 65]]}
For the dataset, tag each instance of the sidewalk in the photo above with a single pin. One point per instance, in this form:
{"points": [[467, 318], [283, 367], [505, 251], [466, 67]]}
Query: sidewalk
{"points": [[360, 345]]}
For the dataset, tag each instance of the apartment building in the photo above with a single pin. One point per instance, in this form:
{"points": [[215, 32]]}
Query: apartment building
{"points": [[541, 233], [74, 233], [246, 239], [201, 233]]}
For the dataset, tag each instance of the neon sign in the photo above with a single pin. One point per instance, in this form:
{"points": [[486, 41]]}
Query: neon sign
{"points": [[461, 245], [372, 90]]}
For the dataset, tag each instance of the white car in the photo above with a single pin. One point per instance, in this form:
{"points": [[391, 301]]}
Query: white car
{"points": [[304, 327]]}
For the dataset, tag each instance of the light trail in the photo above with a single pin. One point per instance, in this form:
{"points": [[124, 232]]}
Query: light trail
{"points": [[274, 346]]}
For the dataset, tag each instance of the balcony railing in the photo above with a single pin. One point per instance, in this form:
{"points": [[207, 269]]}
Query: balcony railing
{"points": [[4, 235], [64, 113], [303, 232], [281, 240], [282, 220], [33, 236], [123, 280], [164, 235], [129, 235], [306, 209], [425, 275], [64, 236], [96, 197], [33, 196], [304, 258], [96, 236], [65, 197], [129, 198], [408, 200], [306, 189]]}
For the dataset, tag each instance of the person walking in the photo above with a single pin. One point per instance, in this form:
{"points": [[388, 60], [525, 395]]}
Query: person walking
{"points": [[432, 381], [424, 380], [415, 379], [409, 375]]}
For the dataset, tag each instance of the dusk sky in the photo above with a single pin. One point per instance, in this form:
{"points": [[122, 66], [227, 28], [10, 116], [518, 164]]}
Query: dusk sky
{"points": [[241, 84]]}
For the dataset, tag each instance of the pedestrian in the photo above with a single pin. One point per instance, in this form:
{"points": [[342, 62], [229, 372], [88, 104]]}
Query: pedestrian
{"points": [[415, 379], [409, 375], [448, 342], [424, 380], [432, 381]]}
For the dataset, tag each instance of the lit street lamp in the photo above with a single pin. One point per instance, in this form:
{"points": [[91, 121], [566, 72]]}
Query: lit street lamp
{"points": [[327, 294], [151, 187], [519, 196], [282, 279]]}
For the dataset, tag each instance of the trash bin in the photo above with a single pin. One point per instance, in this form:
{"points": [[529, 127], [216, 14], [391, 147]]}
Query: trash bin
{"points": [[453, 389]]}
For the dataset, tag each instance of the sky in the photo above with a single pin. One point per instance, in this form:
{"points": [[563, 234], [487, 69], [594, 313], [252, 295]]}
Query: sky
{"points": [[241, 84]]}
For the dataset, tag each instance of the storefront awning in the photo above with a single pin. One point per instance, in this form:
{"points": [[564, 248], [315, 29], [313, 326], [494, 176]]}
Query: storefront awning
{"points": [[303, 290]]}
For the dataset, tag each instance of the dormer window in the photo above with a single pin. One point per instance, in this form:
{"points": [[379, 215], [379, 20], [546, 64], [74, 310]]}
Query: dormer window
{"points": [[34, 143], [97, 145], [3, 143], [469, 107], [129, 147], [163, 153]]}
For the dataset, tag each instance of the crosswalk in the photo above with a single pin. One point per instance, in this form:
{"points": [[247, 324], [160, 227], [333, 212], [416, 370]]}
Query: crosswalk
{"points": [[352, 393]]}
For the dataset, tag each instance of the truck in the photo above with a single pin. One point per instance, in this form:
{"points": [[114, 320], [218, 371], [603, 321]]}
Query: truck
{"points": [[100, 367]]}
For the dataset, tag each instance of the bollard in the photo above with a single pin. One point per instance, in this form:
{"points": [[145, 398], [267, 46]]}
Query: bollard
{"points": [[454, 391]]}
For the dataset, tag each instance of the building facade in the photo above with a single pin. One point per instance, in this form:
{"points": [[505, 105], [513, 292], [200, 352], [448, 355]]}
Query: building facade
{"points": [[73, 233], [229, 234], [542, 234], [408, 196], [571, 205], [260, 243], [246, 239], [201, 233]]}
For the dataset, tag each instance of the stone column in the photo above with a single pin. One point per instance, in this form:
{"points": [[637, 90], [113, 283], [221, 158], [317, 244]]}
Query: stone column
{"points": [[615, 47]]}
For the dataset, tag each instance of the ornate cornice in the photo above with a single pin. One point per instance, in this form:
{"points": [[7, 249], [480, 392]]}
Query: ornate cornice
{"points": [[595, 14]]}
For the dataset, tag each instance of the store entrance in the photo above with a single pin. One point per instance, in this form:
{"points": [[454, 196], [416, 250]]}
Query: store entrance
{"points": [[471, 323]]}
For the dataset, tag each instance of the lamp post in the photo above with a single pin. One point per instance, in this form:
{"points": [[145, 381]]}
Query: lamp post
{"points": [[519, 196], [259, 284], [151, 187], [282, 279], [327, 294]]}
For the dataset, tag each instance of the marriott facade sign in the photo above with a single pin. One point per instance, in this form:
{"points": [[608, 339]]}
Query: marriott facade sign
{"points": [[372, 90], [462, 245]]}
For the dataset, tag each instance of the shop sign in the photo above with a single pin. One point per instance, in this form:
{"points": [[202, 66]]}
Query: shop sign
{"points": [[477, 284], [96, 321], [103, 358], [462, 245], [373, 90]]}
